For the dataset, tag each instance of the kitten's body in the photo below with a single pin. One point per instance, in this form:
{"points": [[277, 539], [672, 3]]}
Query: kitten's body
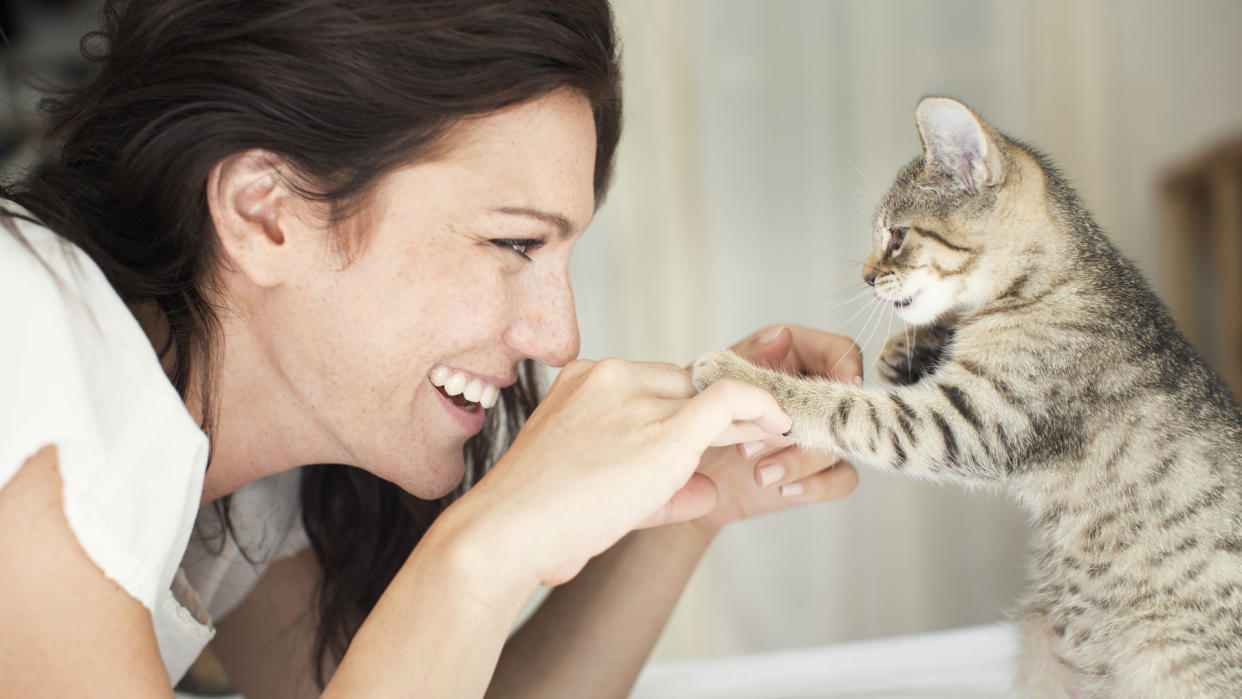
{"points": [[1049, 367]]}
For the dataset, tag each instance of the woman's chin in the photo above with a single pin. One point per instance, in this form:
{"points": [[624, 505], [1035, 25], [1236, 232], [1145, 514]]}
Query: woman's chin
{"points": [[430, 479]]}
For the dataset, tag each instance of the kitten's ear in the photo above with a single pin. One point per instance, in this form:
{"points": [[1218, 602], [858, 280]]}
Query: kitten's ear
{"points": [[958, 143]]}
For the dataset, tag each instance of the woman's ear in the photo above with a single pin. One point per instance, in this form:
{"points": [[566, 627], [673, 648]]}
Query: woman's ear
{"points": [[251, 210]]}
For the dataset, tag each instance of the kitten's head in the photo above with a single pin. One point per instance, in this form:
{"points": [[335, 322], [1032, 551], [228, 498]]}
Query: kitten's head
{"points": [[961, 222]]}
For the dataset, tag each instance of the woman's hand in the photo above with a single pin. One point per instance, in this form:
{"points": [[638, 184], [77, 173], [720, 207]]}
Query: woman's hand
{"points": [[770, 474], [591, 636], [614, 445]]}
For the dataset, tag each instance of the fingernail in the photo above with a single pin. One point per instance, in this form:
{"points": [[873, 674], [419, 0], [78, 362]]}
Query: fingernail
{"points": [[752, 448], [858, 381], [770, 474], [770, 334], [790, 489]]}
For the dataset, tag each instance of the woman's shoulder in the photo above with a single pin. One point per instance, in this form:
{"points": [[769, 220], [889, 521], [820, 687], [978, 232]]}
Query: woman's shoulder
{"points": [[32, 250], [74, 336], [79, 373], [46, 280]]}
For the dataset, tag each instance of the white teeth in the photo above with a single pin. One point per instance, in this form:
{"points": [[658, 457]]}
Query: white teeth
{"points": [[490, 394], [458, 383]]}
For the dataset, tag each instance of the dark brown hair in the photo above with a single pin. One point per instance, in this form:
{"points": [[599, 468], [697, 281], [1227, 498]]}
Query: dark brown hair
{"points": [[345, 92]]}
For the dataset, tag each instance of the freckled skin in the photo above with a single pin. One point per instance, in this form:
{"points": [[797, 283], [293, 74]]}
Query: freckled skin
{"points": [[342, 350]]}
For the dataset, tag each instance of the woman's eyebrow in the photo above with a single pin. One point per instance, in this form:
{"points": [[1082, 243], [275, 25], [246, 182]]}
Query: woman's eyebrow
{"points": [[566, 228]]}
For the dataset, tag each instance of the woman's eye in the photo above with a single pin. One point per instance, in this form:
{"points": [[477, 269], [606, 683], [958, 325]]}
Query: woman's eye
{"points": [[520, 246]]}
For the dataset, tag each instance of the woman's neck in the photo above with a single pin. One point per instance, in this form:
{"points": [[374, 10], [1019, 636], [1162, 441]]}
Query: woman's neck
{"points": [[254, 432]]}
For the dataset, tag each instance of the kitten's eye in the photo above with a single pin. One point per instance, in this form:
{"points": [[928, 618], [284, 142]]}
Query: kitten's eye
{"points": [[520, 246], [895, 238]]}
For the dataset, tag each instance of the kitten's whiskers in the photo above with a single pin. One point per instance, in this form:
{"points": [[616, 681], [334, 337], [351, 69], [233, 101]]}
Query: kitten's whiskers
{"points": [[875, 308], [909, 349], [879, 319], [862, 294], [859, 312]]}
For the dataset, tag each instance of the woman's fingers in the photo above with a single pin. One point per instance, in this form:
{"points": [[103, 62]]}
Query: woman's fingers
{"points": [[787, 465], [665, 380], [767, 347], [729, 412], [695, 499], [806, 475], [662, 380], [823, 354], [798, 350], [759, 448], [836, 482], [843, 358]]}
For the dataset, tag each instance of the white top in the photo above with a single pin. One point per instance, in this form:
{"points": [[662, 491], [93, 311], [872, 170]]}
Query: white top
{"points": [[78, 372], [266, 517]]}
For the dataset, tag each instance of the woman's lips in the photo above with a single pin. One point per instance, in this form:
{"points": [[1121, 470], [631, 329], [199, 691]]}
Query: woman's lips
{"points": [[466, 391]]}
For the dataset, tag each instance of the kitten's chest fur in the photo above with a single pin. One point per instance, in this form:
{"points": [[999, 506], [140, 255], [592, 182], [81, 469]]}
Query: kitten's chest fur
{"points": [[1131, 474]]}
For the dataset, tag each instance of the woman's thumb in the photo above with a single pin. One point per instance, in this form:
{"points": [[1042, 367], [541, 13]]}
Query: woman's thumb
{"points": [[695, 499]]}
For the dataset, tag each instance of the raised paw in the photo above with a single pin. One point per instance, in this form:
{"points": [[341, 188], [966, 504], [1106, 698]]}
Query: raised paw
{"points": [[713, 366], [909, 356]]}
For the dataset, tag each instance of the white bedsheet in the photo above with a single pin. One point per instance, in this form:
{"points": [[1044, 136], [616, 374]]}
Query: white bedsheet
{"points": [[969, 663]]}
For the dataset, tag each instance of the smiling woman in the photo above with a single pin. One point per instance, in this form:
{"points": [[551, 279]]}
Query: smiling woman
{"points": [[337, 234], [439, 239]]}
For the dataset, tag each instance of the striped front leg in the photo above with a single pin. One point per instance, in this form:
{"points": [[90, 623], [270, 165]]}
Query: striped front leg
{"points": [[955, 426]]}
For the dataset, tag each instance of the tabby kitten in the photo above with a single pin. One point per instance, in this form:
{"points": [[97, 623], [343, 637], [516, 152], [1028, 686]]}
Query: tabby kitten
{"points": [[1045, 364]]}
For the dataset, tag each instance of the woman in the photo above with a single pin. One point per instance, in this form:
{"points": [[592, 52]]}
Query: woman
{"points": [[324, 232]]}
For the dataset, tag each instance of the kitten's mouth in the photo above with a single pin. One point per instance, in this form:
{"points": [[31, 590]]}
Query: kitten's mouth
{"points": [[898, 304]]}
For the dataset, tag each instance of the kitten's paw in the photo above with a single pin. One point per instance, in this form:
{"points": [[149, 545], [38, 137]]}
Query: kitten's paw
{"points": [[714, 366], [908, 357]]}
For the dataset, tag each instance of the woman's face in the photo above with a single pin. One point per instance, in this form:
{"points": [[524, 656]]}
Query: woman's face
{"points": [[462, 273]]}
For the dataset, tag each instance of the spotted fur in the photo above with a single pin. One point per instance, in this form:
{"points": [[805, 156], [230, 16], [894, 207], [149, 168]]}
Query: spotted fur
{"points": [[1044, 364]]}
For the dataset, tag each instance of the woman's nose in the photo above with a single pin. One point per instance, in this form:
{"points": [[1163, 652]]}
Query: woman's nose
{"points": [[545, 327]]}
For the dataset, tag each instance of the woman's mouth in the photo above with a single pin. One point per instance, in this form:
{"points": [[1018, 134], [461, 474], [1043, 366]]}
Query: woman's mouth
{"points": [[468, 393]]}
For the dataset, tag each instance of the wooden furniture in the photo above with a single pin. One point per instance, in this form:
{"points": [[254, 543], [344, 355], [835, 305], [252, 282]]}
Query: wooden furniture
{"points": [[1202, 201]]}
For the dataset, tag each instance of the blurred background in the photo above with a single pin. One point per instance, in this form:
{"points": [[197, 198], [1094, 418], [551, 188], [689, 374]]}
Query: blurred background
{"points": [[759, 136]]}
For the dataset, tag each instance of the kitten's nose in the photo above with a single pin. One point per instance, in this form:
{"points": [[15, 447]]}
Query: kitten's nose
{"points": [[869, 278]]}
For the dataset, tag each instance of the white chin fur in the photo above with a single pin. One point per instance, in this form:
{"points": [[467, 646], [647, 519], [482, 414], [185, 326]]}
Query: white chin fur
{"points": [[927, 305]]}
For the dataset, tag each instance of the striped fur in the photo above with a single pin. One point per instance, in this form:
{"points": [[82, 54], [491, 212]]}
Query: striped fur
{"points": [[1045, 365]]}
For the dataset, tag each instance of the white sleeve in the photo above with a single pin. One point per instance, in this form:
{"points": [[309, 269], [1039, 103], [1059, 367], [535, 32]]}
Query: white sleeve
{"points": [[77, 372]]}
